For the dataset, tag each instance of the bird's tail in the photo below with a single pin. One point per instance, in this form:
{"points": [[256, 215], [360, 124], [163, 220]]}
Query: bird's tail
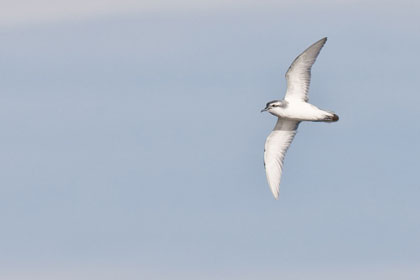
{"points": [[331, 118]]}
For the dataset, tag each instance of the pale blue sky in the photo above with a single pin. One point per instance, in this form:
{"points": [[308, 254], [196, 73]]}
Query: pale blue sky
{"points": [[132, 144]]}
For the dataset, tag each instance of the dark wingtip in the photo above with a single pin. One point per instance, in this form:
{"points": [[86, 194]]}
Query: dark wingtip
{"points": [[335, 118]]}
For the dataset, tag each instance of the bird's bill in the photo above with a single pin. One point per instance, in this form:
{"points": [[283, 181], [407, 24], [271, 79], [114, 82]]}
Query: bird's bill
{"points": [[263, 110]]}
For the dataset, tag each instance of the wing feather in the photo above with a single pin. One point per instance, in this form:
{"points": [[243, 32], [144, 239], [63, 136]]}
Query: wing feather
{"points": [[276, 147], [299, 74]]}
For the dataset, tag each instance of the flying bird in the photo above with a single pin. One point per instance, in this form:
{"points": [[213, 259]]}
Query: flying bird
{"points": [[292, 110]]}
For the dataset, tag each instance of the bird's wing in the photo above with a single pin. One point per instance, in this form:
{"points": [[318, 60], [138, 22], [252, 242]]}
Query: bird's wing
{"points": [[275, 149], [298, 76]]}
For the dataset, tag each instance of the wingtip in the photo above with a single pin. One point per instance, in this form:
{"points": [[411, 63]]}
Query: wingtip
{"points": [[275, 192]]}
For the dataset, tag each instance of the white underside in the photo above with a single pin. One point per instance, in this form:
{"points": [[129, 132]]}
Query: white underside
{"points": [[300, 110]]}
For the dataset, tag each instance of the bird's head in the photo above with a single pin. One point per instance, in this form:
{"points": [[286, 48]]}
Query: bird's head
{"points": [[274, 105]]}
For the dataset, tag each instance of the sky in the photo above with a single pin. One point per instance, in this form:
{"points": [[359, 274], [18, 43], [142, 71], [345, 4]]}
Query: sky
{"points": [[132, 141]]}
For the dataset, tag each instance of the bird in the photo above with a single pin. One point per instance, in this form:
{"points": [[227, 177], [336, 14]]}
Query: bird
{"points": [[290, 111]]}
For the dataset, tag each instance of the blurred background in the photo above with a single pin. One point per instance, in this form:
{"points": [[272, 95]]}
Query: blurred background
{"points": [[132, 141]]}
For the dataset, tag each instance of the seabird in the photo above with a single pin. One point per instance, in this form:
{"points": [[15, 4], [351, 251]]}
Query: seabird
{"points": [[290, 111]]}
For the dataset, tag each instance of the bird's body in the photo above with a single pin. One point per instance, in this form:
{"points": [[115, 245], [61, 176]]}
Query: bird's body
{"points": [[290, 111], [300, 111]]}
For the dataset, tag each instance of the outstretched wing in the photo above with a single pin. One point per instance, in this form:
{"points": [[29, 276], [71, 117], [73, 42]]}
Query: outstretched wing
{"points": [[299, 74], [276, 146]]}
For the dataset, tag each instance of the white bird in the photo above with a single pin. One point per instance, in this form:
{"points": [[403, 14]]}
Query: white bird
{"points": [[290, 111]]}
